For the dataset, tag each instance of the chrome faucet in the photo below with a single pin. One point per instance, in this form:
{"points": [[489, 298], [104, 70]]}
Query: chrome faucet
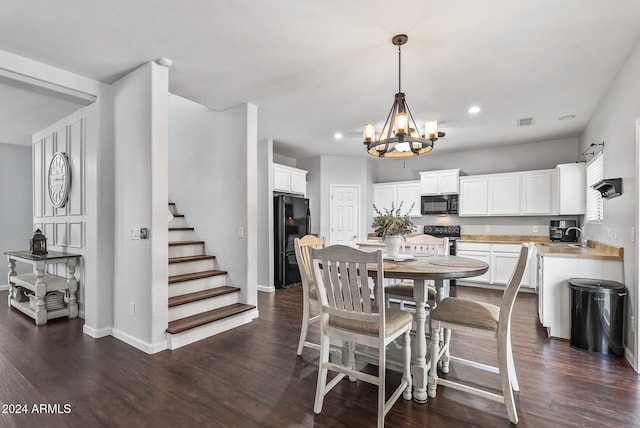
{"points": [[583, 241]]}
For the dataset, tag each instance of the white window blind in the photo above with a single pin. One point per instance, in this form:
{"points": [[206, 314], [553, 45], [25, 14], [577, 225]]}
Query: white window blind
{"points": [[595, 173]]}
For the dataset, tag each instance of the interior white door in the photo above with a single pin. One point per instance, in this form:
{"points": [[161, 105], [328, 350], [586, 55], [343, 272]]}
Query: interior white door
{"points": [[345, 214]]}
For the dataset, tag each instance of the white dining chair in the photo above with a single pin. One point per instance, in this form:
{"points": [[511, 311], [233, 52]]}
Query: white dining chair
{"points": [[419, 244], [309, 292], [480, 319], [348, 314]]}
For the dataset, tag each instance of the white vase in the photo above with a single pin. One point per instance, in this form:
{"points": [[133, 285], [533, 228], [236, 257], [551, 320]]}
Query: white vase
{"points": [[392, 245]]}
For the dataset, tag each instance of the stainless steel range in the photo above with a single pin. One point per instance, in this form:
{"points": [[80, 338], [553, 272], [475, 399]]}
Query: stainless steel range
{"points": [[451, 231]]}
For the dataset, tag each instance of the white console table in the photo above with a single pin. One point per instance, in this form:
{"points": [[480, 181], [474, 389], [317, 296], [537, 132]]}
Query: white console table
{"points": [[41, 283]]}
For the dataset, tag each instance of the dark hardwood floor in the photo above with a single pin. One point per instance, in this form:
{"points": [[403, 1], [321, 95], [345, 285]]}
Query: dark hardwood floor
{"points": [[251, 377]]}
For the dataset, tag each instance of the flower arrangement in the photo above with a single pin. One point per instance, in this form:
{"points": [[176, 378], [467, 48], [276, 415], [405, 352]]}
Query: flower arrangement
{"points": [[392, 222]]}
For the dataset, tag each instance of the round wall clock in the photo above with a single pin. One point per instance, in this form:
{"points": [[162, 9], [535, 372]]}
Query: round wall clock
{"points": [[59, 179]]}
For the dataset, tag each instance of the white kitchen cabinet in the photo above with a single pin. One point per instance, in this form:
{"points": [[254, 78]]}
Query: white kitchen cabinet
{"points": [[504, 194], [508, 194], [502, 259], [554, 310], [537, 192], [289, 180], [442, 182], [571, 189], [478, 251], [473, 199], [406, 192]]}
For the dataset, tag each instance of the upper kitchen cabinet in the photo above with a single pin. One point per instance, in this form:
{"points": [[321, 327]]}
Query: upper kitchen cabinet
{"points": [[504, 194], [508, 194], [537, 192], [289, 180], [442, 182], [571, 189], [406, 192], [473, 199]]}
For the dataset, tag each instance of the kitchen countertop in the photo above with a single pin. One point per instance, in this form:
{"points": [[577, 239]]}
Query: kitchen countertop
{"points": [[545, 247], [504, 238], [594, 250]]}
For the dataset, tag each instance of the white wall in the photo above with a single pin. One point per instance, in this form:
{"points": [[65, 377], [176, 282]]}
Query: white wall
{"points": [[97, 274], [16, 210], [516, 157], [213, 181], [265, 214], [141, 189], [614, 122]]}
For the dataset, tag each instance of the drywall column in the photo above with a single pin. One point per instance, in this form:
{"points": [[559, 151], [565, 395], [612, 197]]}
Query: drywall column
{"points": [[140, 200]]}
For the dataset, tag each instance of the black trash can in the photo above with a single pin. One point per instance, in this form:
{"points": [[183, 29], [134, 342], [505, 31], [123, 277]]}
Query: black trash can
{"points": [[597, 315]]}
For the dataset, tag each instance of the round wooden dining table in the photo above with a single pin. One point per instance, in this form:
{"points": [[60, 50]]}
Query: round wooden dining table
{"points": [[422, 268]]}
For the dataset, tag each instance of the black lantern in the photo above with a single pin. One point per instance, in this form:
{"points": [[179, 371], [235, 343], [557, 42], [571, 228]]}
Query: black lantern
{"points": [[38, 244]]}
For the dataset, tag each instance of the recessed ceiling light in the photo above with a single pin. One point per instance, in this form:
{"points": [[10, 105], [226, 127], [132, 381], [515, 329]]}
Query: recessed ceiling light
{"points": [[567, 117], [474, 110], [337, 135]]}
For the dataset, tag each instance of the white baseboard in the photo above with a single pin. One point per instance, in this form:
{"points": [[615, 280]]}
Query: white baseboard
{"points": [[96, 333], [149, 348], [266, 288], [628, 354], [4, 287]]}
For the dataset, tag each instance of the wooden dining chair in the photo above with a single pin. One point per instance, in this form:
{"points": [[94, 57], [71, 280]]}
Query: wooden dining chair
{"points": [[481, 319], [309, 293], [419, 244], [348, 314]]}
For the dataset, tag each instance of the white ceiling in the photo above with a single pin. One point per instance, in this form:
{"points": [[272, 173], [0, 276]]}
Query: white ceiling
{"points": [[314, 68]]}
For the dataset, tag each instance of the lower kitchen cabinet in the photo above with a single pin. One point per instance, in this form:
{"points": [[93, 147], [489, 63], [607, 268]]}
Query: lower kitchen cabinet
{"points": [[502, 259], [554, 310]]}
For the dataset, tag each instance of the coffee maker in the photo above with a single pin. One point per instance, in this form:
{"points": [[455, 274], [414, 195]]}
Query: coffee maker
{"points": [[558, 230]]}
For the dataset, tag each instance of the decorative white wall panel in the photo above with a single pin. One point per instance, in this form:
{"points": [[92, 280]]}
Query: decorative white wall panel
{"points": [[76, 235], [64, 227]]}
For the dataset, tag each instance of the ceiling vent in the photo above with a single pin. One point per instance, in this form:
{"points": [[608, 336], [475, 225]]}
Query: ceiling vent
{"points": [[526, 121]]}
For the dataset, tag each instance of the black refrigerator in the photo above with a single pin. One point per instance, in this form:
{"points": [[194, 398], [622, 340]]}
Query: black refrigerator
{"points": [[292, 219]]}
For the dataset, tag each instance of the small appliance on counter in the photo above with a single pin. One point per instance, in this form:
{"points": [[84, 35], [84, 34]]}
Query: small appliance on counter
{"points": [[558, 230]]}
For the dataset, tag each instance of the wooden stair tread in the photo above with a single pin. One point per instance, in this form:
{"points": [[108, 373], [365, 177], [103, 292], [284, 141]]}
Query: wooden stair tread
{"points": [[178, 215], [190, 259], [182, 228], [176, 243], [201, 295], [172, 203], [195, 275], [193, 321]]}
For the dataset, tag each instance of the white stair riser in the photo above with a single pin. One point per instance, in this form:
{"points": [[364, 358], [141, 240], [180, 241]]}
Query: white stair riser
{"points": [[194, 285], [186, 250], [182, 235], [200, 306], [172, 209], [175, 341], [178, 222], [190, 267]]}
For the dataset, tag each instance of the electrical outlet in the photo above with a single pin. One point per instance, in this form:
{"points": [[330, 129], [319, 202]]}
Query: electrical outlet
{"points": [[535, 229], [615, 233], [487, 228], [633, 323], [241, 232], [132, 309], [633, 235], [608, 230]]}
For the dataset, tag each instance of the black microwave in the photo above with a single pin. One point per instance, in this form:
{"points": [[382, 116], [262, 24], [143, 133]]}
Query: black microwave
{"points": [[439, 204]]}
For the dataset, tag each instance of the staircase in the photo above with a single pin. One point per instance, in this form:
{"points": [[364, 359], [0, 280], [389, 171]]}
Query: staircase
{"points": [[200, 303]]}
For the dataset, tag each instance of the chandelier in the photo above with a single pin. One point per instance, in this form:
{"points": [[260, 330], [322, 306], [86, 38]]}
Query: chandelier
{"points": [[400, 135]]}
